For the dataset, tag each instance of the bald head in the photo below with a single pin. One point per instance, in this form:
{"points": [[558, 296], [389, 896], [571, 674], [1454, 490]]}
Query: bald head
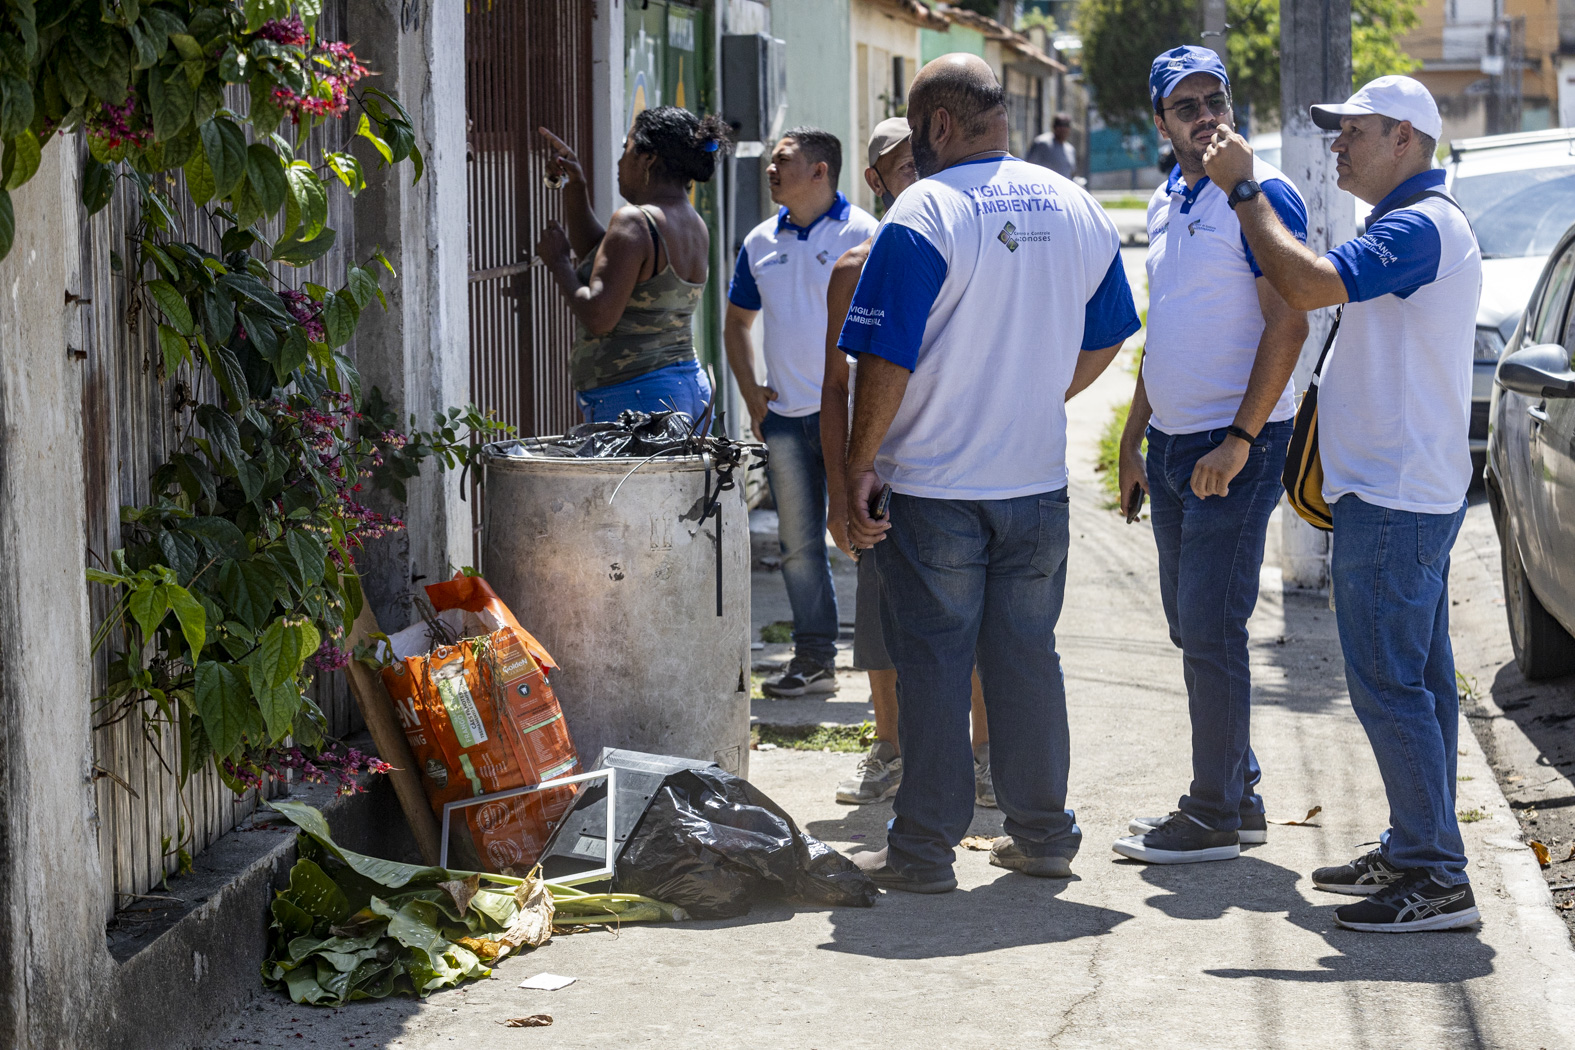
{"points": [[964, 86], [956, 109]]}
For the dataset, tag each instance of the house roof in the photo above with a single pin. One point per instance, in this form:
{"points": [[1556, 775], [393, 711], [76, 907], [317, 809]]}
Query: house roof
{"points": [[1009, 39], [914, 12]]}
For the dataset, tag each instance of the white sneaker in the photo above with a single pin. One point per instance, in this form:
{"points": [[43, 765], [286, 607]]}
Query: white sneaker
{"points": [[877, 776]]}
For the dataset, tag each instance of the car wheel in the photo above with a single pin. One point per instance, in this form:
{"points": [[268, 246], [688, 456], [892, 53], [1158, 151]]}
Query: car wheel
{"points": [[1543, 649]]}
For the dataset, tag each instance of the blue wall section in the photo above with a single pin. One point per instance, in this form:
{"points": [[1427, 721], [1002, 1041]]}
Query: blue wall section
{"points": [[819, 70]]}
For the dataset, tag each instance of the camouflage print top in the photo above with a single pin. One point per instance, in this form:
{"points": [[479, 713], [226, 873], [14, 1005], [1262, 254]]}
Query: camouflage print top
{"points": [[656, 329]]}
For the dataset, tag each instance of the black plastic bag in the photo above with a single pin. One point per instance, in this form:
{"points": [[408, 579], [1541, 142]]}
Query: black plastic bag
{"points": [[635, 434], [713, 843]]}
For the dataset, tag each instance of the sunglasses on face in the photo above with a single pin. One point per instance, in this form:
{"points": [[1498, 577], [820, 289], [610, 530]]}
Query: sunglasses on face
{"points": [[1190, 109]]}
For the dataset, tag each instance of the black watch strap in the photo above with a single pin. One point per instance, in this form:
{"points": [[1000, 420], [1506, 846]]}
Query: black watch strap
{"points": [[1244, 190], [1233, 429]]}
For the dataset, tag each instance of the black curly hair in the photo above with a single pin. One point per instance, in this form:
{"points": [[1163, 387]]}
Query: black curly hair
{"points": [[686, 147]]}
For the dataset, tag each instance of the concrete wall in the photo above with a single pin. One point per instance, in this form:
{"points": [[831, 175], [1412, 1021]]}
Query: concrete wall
{"points": [[52, 957], [418, 351], [819, 54], [877, 37]]}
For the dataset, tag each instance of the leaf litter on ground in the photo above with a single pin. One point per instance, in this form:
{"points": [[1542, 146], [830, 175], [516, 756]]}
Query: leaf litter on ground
{"points": [[350, 926], [1305, 822], [533, 1021]]}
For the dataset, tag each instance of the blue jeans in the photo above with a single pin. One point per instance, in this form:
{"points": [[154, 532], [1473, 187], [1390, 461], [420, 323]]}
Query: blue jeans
{"points": [[681, 386], [967, 579], [1210, 553], [796, 473], [1391, 602]]}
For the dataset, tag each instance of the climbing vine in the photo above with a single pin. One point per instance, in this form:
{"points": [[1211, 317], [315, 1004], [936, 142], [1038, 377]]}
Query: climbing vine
{"points": [[236, 582]]}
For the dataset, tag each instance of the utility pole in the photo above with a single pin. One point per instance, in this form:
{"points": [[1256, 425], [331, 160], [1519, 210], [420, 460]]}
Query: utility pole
{"points": [[1315, 66]]}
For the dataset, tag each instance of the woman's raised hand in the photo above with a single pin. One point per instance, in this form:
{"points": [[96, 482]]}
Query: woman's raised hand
{"points": [[564, 163]]}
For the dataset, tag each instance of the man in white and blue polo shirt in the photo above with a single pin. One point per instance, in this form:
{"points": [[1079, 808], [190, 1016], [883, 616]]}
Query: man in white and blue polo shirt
{"points": [[784, 269], [1394, 405], [993, 292], [1214, 403]]}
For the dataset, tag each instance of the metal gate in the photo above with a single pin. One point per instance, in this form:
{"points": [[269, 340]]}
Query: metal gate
{"points": [[527, 65]]}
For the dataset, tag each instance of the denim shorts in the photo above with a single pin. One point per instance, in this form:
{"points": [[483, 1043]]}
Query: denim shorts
{"points": [[682, 386]]}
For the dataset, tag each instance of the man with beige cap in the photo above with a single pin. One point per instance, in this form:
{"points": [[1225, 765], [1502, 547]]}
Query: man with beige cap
{"points": [[879, 773], [1394, 401]]}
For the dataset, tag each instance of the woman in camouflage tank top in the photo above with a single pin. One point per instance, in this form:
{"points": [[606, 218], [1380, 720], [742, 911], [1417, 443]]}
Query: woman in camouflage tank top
{"points": [[639, 281]]}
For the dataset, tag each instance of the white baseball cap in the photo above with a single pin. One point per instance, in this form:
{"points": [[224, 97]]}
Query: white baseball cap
{"points": [[1395, 97]]}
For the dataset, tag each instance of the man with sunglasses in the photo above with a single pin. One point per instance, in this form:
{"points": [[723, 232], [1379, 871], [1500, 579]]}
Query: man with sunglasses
{"points": [[1214, 400]]}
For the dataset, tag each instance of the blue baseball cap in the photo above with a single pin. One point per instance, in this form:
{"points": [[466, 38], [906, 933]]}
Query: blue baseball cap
{"points": [[1176, 65]]}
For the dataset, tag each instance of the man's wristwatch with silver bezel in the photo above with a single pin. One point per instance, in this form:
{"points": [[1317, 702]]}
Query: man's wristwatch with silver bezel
{"points": [[1244, 190]]}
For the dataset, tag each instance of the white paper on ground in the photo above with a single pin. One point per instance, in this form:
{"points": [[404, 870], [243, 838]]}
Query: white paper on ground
{"points": [[546, 982]]}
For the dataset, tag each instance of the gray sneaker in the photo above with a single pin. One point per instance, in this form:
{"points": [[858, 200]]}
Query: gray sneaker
{"points": [[983, 782], [1005, 854], [877, 776], [803, 677], [1254, 830]]}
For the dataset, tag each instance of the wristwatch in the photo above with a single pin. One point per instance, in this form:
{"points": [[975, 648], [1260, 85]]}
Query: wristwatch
{"points": [[1245, 190], [1234, 431]]}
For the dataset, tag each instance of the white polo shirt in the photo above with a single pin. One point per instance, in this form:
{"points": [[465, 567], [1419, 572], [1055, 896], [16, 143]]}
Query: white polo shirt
{"points": [[1394, 403], [785, 271], [986, 281], [1204, 321]]}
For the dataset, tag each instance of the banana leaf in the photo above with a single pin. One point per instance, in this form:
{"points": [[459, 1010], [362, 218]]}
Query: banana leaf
{"points": [[350, 926]]}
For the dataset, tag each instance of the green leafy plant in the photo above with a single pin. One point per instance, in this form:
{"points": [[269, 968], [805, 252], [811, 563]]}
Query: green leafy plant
{"points": [[236, 582]]}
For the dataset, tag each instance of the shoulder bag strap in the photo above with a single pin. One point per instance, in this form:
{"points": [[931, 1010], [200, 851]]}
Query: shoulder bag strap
{"points": [[1329, 342]]}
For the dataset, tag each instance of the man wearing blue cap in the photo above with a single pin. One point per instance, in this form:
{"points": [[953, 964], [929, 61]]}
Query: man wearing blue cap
{"points": [[1214, 400], [1394, 401]]}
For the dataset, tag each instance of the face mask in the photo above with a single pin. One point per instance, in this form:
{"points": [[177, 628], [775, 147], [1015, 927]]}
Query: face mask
{"points": [[886, 201]]}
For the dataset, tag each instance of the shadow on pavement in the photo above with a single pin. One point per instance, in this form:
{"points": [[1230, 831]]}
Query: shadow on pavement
{"points": [[1011, 912], [1544, 711]]}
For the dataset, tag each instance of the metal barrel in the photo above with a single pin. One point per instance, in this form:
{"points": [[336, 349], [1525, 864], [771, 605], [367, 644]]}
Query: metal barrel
{"points": [[625, 594]]}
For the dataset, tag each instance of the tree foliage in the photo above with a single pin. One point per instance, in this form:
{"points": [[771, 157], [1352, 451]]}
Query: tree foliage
{"points": [[1121, 38]]}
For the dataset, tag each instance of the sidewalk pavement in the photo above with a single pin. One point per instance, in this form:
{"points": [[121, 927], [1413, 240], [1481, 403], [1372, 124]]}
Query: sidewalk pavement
{"points": [[1236, 954]]}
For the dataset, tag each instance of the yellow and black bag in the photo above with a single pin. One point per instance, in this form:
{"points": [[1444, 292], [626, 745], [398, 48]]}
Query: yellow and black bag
{"points": [[1303, 476]]}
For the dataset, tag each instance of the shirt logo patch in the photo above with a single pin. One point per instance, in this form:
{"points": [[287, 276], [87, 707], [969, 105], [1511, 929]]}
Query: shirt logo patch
{"points": [[822, 257], [1006, 238], [776, 260], [1198, 224]]}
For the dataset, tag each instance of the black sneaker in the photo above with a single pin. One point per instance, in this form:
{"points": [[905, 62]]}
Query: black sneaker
{"points": [[1254, 830], [1180, 840], [1367, 874], [875, 866], [1414, 904], [803, 677]]}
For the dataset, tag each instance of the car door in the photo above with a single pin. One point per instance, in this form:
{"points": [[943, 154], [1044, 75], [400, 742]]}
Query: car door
{"points": [[1552, 426], [1519, 422]]}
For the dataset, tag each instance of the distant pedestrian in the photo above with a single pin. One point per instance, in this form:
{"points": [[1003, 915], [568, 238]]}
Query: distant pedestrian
{"points": [[784, 269], [1055, 150], [1214, 402], [993, 292], [879, 773], [639, 281], [1394, 404]]}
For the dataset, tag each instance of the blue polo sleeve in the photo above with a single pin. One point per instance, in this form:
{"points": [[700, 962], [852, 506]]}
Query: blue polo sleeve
{"points": [[1110, 315], [1397, 255], [891, 304], [1287, 204], [743, 292]]}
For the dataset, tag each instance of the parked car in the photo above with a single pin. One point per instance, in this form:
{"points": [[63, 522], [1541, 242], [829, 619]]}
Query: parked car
{"points": [[1530, 472], [1519, 193]]}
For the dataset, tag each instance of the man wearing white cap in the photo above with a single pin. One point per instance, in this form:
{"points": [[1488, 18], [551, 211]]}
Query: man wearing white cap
{"points": [[1393, 409]]}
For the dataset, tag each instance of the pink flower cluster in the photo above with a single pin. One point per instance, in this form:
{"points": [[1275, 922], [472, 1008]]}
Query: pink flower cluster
{"points": [[324, 431], [329, 657], [113, 124], [307, 313], [332, 766], [288, 31], [330, 91]]}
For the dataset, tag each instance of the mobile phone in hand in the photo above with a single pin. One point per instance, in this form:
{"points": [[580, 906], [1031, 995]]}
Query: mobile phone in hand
{"points": [[882, 501], [1134, 502]]}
